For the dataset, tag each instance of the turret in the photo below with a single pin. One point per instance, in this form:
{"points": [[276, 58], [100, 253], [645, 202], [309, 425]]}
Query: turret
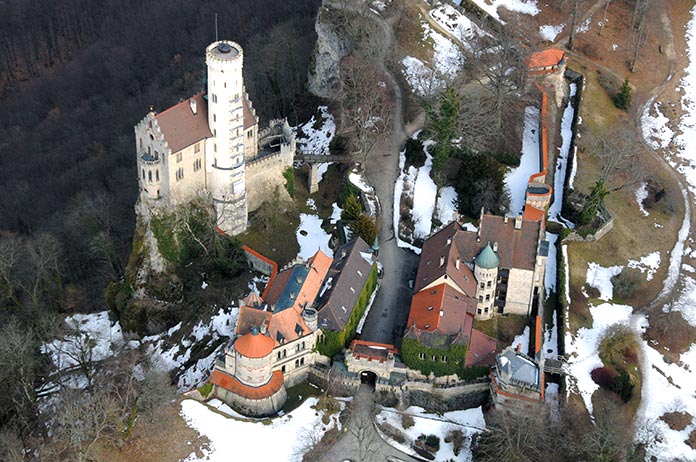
{"points": [[310, 316], [225, 164], [486, 273]]}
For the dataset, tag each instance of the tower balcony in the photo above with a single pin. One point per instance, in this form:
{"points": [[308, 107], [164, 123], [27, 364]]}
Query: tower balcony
{"points": [[148, 159]]}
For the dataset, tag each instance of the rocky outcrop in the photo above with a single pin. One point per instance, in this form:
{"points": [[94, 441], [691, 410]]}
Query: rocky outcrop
{"points": [[328, 51]]}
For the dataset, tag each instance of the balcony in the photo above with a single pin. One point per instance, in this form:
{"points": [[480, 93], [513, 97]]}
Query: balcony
{"points": [[148, 159]]}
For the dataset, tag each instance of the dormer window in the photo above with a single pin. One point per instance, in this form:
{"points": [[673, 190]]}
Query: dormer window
{"points": [[430, 308]]}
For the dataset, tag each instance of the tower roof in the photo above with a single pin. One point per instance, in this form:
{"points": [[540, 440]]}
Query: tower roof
{"points": [[487, 259], [254, 344]]}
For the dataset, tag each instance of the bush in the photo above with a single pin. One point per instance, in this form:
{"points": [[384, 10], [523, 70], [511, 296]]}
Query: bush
{"points": [[510, 159], [365, 227], [627, 282], [456, 437], [622, 100], [338, 144], [407, 421], [352, 208], [206, 390], [415, 155], [289, 175], [392, 432], [623, 386]]}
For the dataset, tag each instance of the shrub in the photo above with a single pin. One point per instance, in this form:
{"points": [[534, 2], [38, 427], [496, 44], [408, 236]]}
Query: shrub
{"points": [[456, 437], [352, 208], [206, 389], [289, 175], [407, 421], [627, 282], [433, 441], [623, 386], [338, 143], [392, 432], [622, 100], [365, 227], [415, 155]]}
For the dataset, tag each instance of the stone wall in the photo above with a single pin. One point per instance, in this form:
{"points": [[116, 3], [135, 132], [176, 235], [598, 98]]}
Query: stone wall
{"points": [[264, 177], [253, 407]]}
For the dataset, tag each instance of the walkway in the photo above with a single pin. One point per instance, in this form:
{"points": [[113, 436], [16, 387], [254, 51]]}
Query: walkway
{"points": [[361, 442]]}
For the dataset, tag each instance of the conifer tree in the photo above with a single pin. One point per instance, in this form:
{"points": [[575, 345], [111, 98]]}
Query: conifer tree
{"points": [[622, 100], [352, 208]]}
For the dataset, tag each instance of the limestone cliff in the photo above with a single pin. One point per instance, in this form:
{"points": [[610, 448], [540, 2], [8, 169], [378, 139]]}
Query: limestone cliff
{"points": [[328, 51]]}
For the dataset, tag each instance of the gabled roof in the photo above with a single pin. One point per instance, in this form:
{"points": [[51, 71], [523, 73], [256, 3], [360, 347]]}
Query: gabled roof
{"points": [[181, 127], [546, 58], [439, 258], [482, 349], [250, 317], [287, 325], [299, 285], [250, 118], [518, 367], [517, 248], [345, 281], [443, 309]]}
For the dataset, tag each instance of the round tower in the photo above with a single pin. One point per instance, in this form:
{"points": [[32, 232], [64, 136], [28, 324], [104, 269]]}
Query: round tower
{"points": [[310, 317], [225, 151], [253, 358], [486, 273]]}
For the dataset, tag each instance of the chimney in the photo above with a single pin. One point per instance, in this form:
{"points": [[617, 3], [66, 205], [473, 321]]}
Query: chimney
{"points": [[456, 263], [518, 222], [505, 220], [442, 313], [442, 261], [264, 327], [518, 348], [194, 108], [495, 246]]}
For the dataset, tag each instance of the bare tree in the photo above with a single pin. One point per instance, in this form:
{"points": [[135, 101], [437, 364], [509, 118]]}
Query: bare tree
{"points": [[640, 11], [367, 102]]}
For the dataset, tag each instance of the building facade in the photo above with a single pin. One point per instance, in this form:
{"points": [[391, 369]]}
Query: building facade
{"points": [[210, 144]]}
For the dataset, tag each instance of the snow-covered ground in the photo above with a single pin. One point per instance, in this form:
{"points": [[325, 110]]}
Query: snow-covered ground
{"points": [[520, 6], [469, 421], [316, 140], [599, 277], [549, 32], [321, 170], [424, 195], [551, 270], [641, 195], [312, 237], [456, 24], [562, 159], [445, 206], [522, 340], [656, 130], [516, 180], [427, 78], [404, 182], [284, 439]]}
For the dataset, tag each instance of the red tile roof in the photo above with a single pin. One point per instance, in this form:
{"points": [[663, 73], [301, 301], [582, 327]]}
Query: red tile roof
{"points": [[181, 127], [545, 58], [440, 248], [533, 213], [482, 350], [230, 383], [442, 308], [371, 350], [254, 345]]}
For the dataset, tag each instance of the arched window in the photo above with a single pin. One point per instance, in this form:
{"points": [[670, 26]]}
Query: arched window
{"points": [[143, 174], [149, 175], [157, 175]]}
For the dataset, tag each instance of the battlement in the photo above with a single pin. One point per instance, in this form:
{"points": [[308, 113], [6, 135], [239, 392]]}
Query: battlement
{"points": [[223, 52]]}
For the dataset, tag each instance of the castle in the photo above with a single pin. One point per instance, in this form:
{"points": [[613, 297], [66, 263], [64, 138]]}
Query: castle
{"points": [[211, 144]]}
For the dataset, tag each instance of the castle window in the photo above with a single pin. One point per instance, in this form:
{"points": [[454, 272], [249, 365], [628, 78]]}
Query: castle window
{"points": [[480, 298], [197, 148], [483, 285], [430, 308], [488, 297], [427, 326], [214, 98], [479, 311], [149, 176], [301, 361], [303, 346], [179, 173], [215, 132], [250, 134], [421, 355], [443, 359], [141, 142], [143, 174], [433, 358], [178, 156], [196, 165], [215, 150], [279, 355], [152, 137], [157, 175], [283, 368], [285, 353], [214, 117], [297, 363], [489, 283]]}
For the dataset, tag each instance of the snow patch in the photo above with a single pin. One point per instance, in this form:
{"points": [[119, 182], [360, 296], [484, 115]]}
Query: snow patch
{"points": [[316, 140], [641, 195], [517, 179], [599, 277], [549, 32], [311, 237], [518, 6]]}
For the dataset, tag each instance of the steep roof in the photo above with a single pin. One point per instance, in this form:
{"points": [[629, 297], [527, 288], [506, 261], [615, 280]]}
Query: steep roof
{"points": [[371, 350], [517, 248], [250, 118], [546, 58], [513, 366], [487, 259], [440, 257], [232, 384], [181, 127], [250, 317], [254, 344], [482, 349], [299, 285], [282, 326], [345, 281], [443, 309]]}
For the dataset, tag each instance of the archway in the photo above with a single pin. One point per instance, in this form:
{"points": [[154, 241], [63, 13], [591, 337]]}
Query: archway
{"points": [[369, 378]]}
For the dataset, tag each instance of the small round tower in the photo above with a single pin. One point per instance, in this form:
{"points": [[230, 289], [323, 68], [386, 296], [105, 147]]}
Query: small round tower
{"points": [[486, 273], [225, 162], [310, 317]]}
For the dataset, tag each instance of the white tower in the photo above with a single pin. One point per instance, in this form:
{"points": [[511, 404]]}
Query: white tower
{"points": [[225, 151]]}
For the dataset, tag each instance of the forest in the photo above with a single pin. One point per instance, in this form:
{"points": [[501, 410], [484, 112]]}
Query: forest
{"points": [[76, 76]]}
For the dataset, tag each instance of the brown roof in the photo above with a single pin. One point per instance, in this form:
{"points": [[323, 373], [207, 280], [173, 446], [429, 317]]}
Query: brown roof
{"points": [[442, 308], [181, 127], [438, 249], [254, 345], [517, 248], [482, 350], [250, 118], [371, 350], [287, 325], [545, 58], [276, 286], [250, 317], [349, 272], [231, 383]]}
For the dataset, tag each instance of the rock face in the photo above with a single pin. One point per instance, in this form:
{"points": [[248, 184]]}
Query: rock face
{"points": [[330, 48]]}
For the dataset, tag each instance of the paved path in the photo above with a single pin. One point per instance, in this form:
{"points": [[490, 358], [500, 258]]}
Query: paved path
{"points": [[389, 313], [360, 441]]}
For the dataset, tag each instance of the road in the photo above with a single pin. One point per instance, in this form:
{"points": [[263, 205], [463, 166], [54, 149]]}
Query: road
{"points": [[360, 441]]}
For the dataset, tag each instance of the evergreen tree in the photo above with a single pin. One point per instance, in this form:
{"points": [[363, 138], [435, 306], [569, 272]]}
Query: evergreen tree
{"points": [[352, 208], [444, 123], [364, 226], [622, 100]]}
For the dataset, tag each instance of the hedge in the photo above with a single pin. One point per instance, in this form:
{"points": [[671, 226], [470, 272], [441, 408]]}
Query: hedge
{"points": [[456, 356]]}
